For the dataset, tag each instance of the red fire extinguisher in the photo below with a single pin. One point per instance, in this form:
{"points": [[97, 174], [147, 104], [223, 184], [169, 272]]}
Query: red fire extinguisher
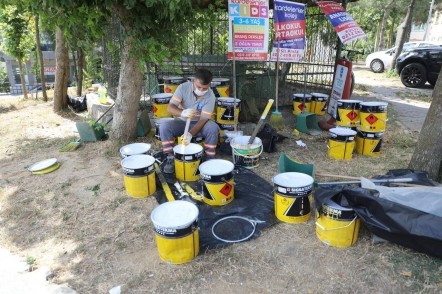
{"points": [[341, 90]]}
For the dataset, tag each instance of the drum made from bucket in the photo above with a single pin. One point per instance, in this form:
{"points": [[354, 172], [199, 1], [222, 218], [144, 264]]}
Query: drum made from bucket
{"points": [[347, 113], [176, 231], [217, 177], [139, 175], [158, 123], [318, 103], [135, 149], [373, 116], [160, 102], [341, 143], [298, 100], [224, 110], [245, 154], [369, 143], [293, 194], [187, 161], [336, 225], [171, 83], [220, 87]]}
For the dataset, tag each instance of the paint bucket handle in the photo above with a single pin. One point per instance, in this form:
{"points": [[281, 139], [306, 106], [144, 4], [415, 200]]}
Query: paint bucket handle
{"points": [[340, 228], [246, 155]]}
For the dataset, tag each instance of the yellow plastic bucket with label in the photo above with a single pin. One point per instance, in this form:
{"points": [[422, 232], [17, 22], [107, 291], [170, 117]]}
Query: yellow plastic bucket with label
{"points": [[220, 87], [369, 143], [171, 83], [160, 102], [347, 113], [293, 194], [217, 177], [139, 175], [298, 100], [187, 161], [318, 103], [224, 110], [336, 225], [135, 149], [176, 231], [373, 116], [341, 143]]}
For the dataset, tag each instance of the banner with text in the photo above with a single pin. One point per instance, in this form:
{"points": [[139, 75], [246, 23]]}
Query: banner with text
{"points": [[289, 19], [251, 27], [346, 27]]}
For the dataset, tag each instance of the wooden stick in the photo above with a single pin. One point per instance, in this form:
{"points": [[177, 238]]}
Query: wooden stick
{"points": [[358, 179]]}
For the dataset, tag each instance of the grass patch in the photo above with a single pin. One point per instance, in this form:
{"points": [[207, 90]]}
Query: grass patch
{"points": [[391, 74], [416, 96], [95, 189]]}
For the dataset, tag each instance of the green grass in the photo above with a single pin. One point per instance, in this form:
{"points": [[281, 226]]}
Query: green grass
{"points": [[391, 74]]}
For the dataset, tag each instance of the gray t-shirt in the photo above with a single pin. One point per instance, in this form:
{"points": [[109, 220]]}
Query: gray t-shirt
{"points": [[185, 98]]}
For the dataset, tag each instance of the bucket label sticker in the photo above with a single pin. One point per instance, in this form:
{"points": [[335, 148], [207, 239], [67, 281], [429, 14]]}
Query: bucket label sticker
{"points": [[282, 190], [298, 207], [226, 189], [188, 157], [371, 119], [155, 109], [352, 115]]}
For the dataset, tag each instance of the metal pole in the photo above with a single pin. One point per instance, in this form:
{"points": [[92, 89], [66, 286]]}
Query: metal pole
{"points": [[234, 79], [428, 20]]}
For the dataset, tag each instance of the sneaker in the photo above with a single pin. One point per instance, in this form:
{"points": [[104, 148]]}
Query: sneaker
{"points": [[169, 168]]}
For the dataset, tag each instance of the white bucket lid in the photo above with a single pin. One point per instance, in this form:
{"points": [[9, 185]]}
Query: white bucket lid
{"points": [[319, 95], [135, 148], [374, 103], [342, 131], [228, 99], [41, 165], [300, 95], [220, 80], [330, 203], [292, 180], [242, 142], [137, 161], [173, 78], [216, 167], [159, 121], [162, 95], [349, 101], [192, 148], [177, 214]]}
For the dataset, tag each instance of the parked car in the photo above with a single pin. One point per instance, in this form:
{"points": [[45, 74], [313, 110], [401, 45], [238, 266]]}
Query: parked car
{"points": [[382, 60], [419, 65]]}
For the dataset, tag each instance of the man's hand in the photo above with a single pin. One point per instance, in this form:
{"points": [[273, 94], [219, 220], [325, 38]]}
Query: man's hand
{"points": [[186, 138], [189, 112]]}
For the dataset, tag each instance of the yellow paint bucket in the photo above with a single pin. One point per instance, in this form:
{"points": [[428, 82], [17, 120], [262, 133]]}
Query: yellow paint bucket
{"points": [[336, 225], [341, 143], [373, 116], [224, 110], [135, 149], [347, 113], [171, 83], [187, 160], [139, 175], [297, 103], [368, 143], [160, 102], [292, 196], [319, 103], [176, 231], [217, 176], [220, 87]]}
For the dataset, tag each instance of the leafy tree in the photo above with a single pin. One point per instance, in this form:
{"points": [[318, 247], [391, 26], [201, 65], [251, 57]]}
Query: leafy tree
{"points": [[16, 29], [40, 56]]}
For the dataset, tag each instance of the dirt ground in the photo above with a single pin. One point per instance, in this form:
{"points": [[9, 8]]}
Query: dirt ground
{"points": [[79, 222]]}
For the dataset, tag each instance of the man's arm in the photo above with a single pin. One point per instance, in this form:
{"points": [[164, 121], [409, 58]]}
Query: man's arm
{"points": [[198, 126], [173, 109]]}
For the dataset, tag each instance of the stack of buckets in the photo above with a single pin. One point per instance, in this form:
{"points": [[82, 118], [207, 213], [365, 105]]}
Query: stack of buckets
{"points": [[314, 103], [336, 225], [360, 124]]}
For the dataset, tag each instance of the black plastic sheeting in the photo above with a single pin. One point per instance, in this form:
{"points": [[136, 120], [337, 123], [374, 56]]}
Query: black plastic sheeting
{"points": [[397, 223], [253, 200], [418, 177]]}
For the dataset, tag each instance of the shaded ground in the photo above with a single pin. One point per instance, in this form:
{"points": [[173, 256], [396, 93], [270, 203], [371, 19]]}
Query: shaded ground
{"points": [[78, 221]]}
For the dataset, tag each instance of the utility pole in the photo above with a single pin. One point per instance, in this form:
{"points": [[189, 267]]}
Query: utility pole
{"points": [[428, 20]]}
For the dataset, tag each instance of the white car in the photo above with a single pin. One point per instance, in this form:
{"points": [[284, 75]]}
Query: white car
{"points": [[382, 60]]}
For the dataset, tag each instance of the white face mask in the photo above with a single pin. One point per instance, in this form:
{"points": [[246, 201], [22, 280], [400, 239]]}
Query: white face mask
{"points": [[198, 92]]}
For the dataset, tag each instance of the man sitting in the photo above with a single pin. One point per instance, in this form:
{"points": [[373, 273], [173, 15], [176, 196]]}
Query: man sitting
{"points": [[195, 100]]}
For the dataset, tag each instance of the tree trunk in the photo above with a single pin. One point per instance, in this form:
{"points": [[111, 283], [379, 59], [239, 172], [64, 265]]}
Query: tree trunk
{"points": [[74, 60], [40, 58], [61, 72], [427, 155], [22, 77], [387, 10], [405, 32], [128, 94], [80, 66], [391, 34], [377, 36]]}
